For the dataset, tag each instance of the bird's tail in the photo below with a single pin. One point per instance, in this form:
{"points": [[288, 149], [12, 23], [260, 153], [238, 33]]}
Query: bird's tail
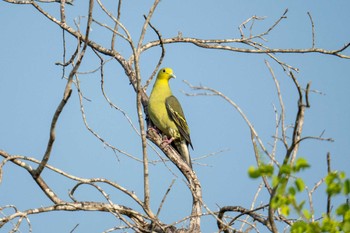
{"points": [[182, 147]]}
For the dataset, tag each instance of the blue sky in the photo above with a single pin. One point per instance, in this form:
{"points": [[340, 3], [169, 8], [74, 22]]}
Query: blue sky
{"points": [[31, 88]]}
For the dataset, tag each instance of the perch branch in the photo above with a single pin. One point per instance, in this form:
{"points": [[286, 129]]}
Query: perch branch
{"points": [[190, 176]]}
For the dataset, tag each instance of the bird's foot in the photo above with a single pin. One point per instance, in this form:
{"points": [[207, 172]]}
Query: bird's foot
{"points": [[167, 141]]}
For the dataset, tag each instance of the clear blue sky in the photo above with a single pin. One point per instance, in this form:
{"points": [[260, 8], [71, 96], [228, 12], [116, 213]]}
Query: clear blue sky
{"points": [[31, 88]]}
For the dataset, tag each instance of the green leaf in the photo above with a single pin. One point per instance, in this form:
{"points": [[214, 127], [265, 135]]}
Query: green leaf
{"points": [[266, 170], [299, 227], [253, 172], [329, 225], [292, 191], [300, 164], [346, 227], [277, 201], [299, 183], [331, 177], [342, 175], [307, 214], [286, 169], [333, 182], [333, 189], [301, 205], [262, 170], [285, 210], [342, 209]]}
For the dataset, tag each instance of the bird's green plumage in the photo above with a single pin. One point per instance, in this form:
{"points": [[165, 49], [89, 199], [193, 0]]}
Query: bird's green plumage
{"points": [[176, 114], [167, 115]]}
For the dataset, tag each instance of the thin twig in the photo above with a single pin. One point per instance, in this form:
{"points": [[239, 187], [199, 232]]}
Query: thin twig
{"points": [[78, 206], [329, 170], [66, 95], [277, 22], [298, 125], [242, 211], [145, 24], [160, 58], [310, 193], [39, 180], [258, 159], [116, 21], [75, 227], [222, 44], [253, 204], [210, 154], [240, 111], [164, 197], [312, 29], [64, 64], [114, 211], [280, 99], [116, 25], [82, 110], [17, 160]]}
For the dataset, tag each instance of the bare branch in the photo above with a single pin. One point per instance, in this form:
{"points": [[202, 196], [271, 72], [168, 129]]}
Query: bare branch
{"points": [[312, 29], [161, 56], [310, 193], [79, 206], [240, 111], [82, 110], [40, 182], [147, 221], [139, 103], [164, 198], [280, 99], [70, 2], [113, 211], [217, 44], [298, 125], [258, 160], [242, 211], [252, 205], [329, 170], [277, 22], [66, 95], [243, 25], [145, 25], [191, 177], [116, 25], [62, 11]]}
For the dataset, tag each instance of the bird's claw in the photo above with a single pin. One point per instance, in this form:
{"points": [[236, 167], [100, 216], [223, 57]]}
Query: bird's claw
{"points": [[167, 141]]}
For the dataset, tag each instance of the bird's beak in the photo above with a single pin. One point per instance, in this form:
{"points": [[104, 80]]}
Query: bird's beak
{"points": [[172, 76]]}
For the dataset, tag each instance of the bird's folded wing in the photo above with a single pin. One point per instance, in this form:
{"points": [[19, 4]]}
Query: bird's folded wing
{"points": [[176, 114]]}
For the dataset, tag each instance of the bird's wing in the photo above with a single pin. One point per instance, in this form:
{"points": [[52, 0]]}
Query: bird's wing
{"points": [[176, 114]]}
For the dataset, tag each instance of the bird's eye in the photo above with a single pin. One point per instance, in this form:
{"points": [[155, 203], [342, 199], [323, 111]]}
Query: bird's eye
{"points": [[163, 71]]}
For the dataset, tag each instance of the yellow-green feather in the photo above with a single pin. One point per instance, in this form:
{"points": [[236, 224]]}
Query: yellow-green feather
{"points": [[176, 114], [167, 115]]}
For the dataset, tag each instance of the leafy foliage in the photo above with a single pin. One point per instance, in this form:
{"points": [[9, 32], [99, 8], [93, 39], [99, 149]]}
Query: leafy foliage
{"points": [[285, 199]]}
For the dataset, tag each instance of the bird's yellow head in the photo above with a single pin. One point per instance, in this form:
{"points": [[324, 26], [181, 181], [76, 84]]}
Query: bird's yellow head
{"points": [[165, 74]]}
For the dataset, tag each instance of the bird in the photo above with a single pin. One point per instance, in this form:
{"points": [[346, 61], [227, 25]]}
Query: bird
{"points": [[165, 112]]}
